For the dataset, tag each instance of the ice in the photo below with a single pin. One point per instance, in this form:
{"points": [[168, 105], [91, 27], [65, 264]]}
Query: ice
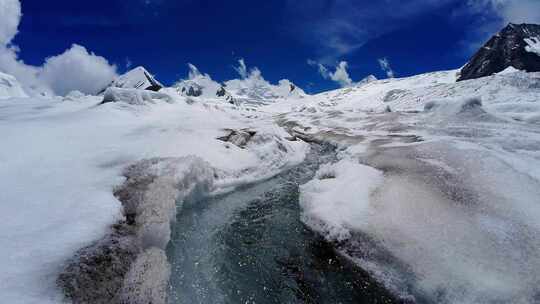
{"points": [[454, 218]]}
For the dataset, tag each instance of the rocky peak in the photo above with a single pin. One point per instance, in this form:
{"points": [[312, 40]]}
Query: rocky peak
{"points": [[514, 46], [138, 78]]}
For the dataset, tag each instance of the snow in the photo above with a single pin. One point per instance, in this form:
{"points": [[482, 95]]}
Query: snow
{"points": [[137, 78], [508, 70], [337, 200], [134, 96], [60, 162], [200, 84], [533, 45], [10, 87], [454, 220], [437, 199], [251, 88]]}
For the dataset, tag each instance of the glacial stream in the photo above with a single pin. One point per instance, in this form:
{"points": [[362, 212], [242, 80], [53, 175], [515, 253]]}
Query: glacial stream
{"points": [[250, 246]]}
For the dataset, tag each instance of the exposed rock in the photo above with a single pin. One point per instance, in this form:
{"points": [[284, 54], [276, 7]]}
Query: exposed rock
{"points": [[97, 272], [191, 89], [147, 281], [221, 92], [510, 47], [129, 265], [239, 138]]}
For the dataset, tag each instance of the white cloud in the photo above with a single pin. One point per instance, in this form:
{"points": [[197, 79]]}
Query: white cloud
{"points": [[514, 11], [10, 16], [491, 16], [75, 69], [385, 66], [193, 71], [242, 69], [322, 69], [340, 75], [340, 27]]}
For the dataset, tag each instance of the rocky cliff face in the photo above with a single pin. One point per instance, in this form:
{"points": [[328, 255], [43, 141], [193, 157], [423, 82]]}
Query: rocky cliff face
{"points": [[510, 47]]}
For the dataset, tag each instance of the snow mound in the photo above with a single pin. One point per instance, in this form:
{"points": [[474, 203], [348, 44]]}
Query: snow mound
{"points": [[337, 200], [134, 96], [366, 80], [508, 70], [10, 87], [74, 96]]}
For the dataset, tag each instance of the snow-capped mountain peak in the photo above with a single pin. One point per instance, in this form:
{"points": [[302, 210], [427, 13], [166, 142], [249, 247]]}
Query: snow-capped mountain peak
{"points": [[516, 45], [137, 78], [251, 87]]}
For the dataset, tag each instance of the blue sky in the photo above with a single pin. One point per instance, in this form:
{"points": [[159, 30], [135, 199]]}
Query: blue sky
{"points": [[279, 37]]}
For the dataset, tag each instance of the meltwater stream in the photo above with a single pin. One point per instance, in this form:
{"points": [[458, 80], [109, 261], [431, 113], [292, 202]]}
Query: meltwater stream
{"points": [[249, 246]]}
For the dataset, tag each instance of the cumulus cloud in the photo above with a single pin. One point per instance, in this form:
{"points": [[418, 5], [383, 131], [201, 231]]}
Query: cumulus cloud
{"points": [[340, 75], [10, 16], [75, 69], [384, 63]]}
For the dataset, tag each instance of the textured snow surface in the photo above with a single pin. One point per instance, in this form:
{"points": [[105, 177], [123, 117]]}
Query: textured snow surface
{"points": [[60, 162], [533, 45], [337, 200], [10, 87], [455, 217], [435, 192]]}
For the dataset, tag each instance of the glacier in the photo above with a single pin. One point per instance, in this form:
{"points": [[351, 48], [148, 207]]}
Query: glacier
{"points": [[434, 191]]}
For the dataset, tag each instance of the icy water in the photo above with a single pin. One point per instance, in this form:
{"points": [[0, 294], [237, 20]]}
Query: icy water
{"points": [[249, 246]]}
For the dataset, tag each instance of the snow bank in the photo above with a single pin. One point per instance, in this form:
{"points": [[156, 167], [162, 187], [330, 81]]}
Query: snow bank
{"points": [[163, 183], [338, 199], [60, 162], [134, 96], [10, 87], [465, 233], [457, 109]]}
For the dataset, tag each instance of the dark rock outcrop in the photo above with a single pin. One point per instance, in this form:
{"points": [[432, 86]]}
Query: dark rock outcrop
{"points": [[239, 138], [505, 49]]}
